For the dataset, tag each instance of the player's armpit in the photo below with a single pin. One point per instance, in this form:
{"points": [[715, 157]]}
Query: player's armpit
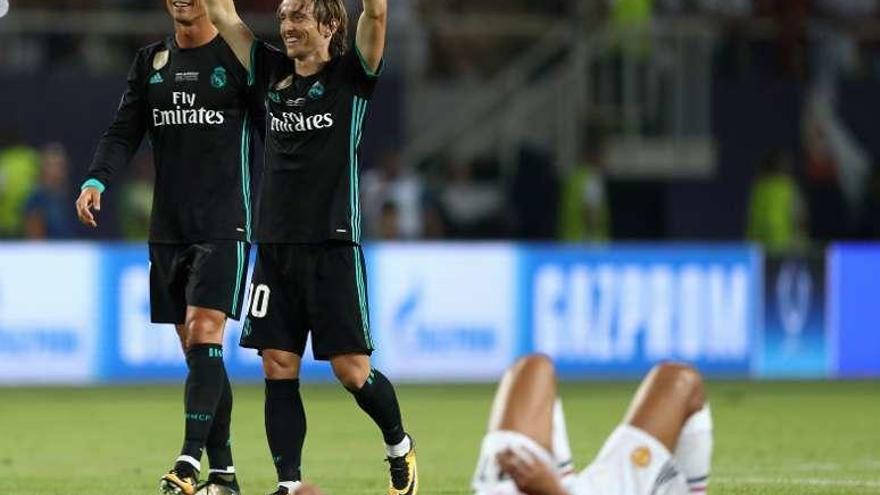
{"points": [[372, 25], [237, 34]]}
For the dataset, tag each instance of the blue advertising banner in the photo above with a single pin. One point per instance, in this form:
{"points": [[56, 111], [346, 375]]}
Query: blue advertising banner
{"points": [[461, 312], [794, 339], [854, 313], [47, 308], [444, 312], [620, 310]]}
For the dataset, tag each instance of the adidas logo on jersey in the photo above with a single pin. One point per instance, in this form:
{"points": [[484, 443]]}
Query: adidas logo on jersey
{"points": [[298, 122], [156, 79]]}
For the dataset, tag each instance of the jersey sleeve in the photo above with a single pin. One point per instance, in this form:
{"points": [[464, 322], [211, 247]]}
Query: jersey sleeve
{"points": [[263, 58], [267, 63], [363, 79], [125, 134]]}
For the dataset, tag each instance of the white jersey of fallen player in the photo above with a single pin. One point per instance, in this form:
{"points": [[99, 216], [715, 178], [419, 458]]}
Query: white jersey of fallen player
{"points": [[631, 462]]}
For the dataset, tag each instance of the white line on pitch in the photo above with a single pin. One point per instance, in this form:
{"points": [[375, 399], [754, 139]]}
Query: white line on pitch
{"points": [[799, 481]]}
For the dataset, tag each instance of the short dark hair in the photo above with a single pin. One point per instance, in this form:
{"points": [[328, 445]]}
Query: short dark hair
{"points": [[328, 13]]}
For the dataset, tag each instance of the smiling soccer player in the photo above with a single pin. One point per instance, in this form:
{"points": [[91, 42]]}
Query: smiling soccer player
{"points": [[310, 275], [191, 96]]}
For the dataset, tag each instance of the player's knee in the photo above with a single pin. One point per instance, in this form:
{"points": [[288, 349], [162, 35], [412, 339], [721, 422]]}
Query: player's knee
{"points": [[280, 366], [687, 381], [351, 373], [204, 330], [535, 365]]}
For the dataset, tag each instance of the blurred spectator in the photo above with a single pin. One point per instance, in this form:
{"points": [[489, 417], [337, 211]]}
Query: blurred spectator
{"points": [[777, 216], [389, 222], [393, 182], [435, 224], [19, 173], [632, 20], [137, 200], [584, 214], [47, 212], [473, 208], [535, 195]]}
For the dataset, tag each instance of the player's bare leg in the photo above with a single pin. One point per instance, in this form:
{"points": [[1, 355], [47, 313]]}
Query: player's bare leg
{"points": [[524, 400], [182, 334], [665, 399], [526, 404], [285, 417], [376, 397], [670, 405], [208, 402]]}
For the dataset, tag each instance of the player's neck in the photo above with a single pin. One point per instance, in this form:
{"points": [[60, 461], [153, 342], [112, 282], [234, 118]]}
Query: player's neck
{"points": [[196, 34], [311, 64]]}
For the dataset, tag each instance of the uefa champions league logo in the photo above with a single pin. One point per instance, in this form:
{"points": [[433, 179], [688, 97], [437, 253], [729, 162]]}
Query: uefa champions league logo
{"points": [[4, 7], [794, 288]]}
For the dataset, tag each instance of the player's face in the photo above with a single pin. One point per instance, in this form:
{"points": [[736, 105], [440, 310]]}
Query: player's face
{"points": [[186, 11], [301, 33]]}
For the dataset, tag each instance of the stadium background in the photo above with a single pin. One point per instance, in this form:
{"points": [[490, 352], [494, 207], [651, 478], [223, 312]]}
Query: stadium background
{"points": [[614, 183]]}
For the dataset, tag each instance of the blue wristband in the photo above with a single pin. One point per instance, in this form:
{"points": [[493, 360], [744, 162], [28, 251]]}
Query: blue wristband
{"points": [[94, 183]]}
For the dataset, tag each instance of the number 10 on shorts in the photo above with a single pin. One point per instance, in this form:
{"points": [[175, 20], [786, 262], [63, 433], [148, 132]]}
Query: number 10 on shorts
{"points": [[258, 300]]}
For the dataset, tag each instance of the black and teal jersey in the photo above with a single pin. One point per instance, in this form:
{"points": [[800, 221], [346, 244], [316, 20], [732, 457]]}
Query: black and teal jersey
{"points": [[198, 108], [314, 126]]}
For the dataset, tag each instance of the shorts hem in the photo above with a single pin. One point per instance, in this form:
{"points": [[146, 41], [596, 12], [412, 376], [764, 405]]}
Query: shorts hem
{"points": [[157, 320], [215, 307], [262, 347], [327, 356]]}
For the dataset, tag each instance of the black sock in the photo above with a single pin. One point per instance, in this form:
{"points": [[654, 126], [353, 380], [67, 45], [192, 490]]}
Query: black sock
{"points": [[378, 400], [285, 427], [204, 386], [219, 445]]}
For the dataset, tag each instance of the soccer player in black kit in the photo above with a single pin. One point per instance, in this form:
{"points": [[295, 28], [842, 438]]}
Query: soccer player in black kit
{"points": [[191, 95], [310, 275]]}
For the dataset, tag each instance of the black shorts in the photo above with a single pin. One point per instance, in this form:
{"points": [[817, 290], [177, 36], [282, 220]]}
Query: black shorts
{"points": [[207, 275], [302, 288]]}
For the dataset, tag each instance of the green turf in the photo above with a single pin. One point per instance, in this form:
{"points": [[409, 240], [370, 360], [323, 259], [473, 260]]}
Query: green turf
{"points": [[771, 438]]}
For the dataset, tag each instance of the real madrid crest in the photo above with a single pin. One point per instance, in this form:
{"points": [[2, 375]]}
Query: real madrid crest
{"points": [[218, 77], [316, 91]]}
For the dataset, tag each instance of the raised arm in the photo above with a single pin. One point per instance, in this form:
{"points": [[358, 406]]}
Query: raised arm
{"points": [[371, 32], [236, 33]]}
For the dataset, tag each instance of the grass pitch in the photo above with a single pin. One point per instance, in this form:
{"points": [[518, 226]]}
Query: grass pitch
{"points": [[771, 438]]}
